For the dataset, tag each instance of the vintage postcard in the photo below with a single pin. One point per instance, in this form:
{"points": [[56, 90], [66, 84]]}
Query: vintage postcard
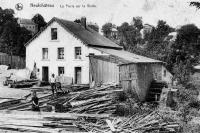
{"points": [[100, 66]]}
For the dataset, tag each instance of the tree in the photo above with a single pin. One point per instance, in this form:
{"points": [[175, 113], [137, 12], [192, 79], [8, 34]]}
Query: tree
{"points": [[39, 20], [77, 21], [107, 29], [156, 42], [13, 39], [9, 36], [23, 38], [129, 36], [185, 51], [196, 4], [94, 27], [12, 36], [5, 16], [137, 22], [158, 33]]}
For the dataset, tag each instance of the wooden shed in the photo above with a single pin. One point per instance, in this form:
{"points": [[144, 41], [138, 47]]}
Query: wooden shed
{"points": [[133, 72], [137, 77]]}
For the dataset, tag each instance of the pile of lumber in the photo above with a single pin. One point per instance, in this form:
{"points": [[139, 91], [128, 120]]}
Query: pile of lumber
{"points": [[20, 84], [150, 122], [48, 122], [43, 122], [83, 110], [97, 100]]}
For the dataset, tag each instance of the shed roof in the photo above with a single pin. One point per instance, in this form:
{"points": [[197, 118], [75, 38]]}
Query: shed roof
{"points": [[87, 35], [128, 57]]}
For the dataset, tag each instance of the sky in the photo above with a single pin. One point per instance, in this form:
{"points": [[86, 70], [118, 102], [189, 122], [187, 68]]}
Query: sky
{"points": [[174, 12]]}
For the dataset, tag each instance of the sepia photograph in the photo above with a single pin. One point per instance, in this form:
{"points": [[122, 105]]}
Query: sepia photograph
{"points": [[100, 66]]}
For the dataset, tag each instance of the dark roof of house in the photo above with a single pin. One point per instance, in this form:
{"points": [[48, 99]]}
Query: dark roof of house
{"points": [[87, 35]]}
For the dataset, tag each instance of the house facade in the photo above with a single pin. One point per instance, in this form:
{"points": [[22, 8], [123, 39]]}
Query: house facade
{"points": [[28, 24], [59, 50], [64, 47]]}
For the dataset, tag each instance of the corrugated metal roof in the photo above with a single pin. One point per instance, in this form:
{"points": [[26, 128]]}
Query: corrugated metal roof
{"points": [[127, 56]]}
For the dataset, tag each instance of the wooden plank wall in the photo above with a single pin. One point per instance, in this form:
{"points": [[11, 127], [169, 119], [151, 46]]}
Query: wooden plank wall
{"points": [[103, 71], [15, 61], [145, 77], [138, 77], [128, 79]]}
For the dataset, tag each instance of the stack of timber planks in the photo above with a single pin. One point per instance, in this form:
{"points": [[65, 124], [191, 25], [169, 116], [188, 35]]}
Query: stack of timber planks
{"points": [[81, 99], [47, 122]]}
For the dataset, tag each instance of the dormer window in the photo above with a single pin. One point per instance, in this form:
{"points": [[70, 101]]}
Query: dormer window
{"points": [[54, 34]]}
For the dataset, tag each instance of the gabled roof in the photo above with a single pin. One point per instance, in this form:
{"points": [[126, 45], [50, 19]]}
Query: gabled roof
{"points": [[87, 35]]}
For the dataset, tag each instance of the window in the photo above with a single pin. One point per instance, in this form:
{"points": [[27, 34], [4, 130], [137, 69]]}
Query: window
{"points": [[44, 53], [165, 73], [60, 53], [61, 71], [53, 33], [77, 52]]}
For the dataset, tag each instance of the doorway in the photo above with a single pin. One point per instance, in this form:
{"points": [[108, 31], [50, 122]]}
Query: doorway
{"points": [[77, 75], [45, 73]]}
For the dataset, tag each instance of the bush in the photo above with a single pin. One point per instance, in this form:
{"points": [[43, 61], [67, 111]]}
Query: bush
{"points": [[194, 104], [121, 96], [190, 128]]}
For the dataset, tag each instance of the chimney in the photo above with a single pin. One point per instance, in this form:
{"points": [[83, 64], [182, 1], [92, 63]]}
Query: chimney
{"points": [[83, 22]]}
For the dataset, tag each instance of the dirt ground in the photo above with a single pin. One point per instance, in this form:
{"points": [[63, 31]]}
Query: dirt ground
{"points": [[6, 92]]}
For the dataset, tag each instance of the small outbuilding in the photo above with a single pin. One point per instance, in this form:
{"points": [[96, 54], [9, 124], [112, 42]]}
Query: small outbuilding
{"points": [[133, 72]]}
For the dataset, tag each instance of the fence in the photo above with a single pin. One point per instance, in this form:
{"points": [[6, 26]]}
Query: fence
{"points": [[15, 61]]}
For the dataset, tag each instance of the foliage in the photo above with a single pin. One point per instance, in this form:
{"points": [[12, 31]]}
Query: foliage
{"points": [[39, 20], [156, 44], [107, 29], [188, 104], [77, 20], [94, 27], [196, 4], [23, 38], [157, 35], [138, 23], [185, 52], [5, 16], [12, 36], [129, 36]]}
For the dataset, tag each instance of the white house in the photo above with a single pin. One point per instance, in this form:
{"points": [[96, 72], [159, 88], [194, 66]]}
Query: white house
{"points": [[62, 48], [28, 24]]}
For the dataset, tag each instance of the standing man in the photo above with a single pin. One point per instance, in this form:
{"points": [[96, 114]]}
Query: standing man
{"points": [[35, 102], [53, 83]]}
